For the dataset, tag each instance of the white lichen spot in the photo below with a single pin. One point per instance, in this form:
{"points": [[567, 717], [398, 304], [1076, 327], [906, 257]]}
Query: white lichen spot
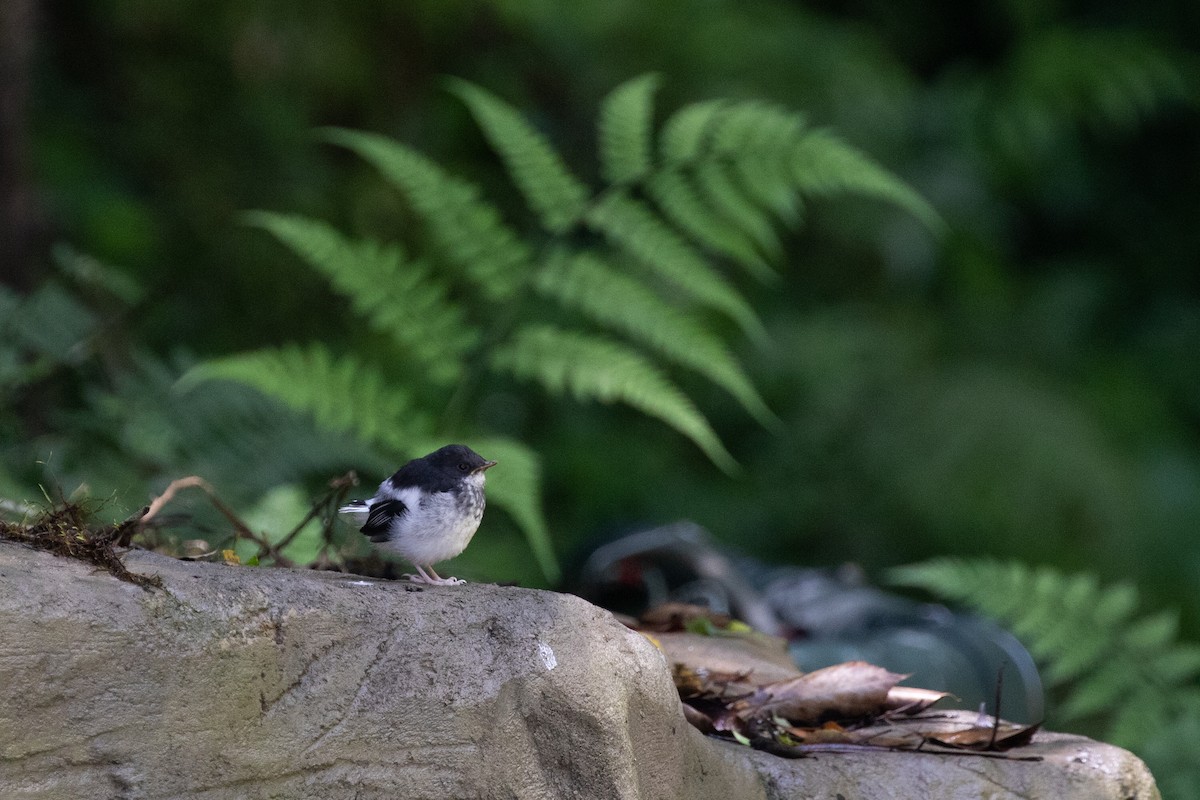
{"points": [[547, 655]]}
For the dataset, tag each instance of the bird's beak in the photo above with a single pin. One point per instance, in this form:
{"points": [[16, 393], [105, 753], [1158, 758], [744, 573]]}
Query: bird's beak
{"points": [[485, 466]]}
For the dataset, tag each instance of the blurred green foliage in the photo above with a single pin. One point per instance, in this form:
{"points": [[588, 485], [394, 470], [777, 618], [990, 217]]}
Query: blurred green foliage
{"points": [[596, 302], [1026, 386], [1111, 672]]}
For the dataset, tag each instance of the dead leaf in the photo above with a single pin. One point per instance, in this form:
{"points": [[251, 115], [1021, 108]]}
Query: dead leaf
{"points": [[989, 737], [698, 719], [950, 730], [760, 659], [911, 699], [827, 733], [844, 691], [667, 617]]}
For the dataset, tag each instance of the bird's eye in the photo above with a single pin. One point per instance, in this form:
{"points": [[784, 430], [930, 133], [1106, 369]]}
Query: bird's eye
{"points": [[463, 466]]}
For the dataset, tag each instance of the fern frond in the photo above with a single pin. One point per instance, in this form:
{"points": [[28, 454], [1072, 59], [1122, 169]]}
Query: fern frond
{"points": [[341, 394], [516, 486], [591, 368], [398, 297], [721, 189], [823, 164], [685, 133], [607, 296], [1105, 77], [680, 203], [1093, 649], [630, 225], [759, 139], [555, 195], [467, 230], [626, 130], [1170, 752]]}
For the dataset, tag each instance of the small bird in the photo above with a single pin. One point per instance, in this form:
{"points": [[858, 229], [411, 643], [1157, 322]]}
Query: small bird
{"points": [[428, 511]]}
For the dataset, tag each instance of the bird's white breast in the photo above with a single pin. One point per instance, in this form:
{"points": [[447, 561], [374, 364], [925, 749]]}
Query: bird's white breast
{"points": [[437, 526]]}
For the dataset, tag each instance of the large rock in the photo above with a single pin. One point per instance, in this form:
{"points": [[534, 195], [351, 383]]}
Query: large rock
{"points": [[235, 682]]}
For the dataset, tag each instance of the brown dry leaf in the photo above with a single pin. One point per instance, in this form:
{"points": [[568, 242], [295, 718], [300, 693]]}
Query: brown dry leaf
{"points": [[952, 730], [988, 737], [709, 685], [843, 691], [911, 699], [758, 658], [698, 719], [829, 733], [687, 681], [667, 617]]}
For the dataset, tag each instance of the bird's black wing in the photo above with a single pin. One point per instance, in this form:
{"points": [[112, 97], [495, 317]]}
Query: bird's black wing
{"points": [[379, 521]]}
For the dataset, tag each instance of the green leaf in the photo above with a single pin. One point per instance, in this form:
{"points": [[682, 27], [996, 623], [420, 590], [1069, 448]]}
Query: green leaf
{"points": [[555, 195], [758, 140], [466, 230], [1154, 632], [1130, 673], [823, 164], [626, 130], [592, 368], [516, 486], [631, 226], [721, 190], [586, 283], [678, 200], [341, 394], [685, 132], [398, 297]]}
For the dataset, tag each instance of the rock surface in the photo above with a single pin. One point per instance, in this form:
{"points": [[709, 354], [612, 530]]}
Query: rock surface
{"points": [[236, 682]]}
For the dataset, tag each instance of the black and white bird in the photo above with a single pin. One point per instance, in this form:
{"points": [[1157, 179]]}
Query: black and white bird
{"points": [[428, 511]]}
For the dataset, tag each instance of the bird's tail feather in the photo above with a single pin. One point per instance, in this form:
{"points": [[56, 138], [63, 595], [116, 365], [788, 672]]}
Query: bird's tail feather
{"points": [[357, 511]]}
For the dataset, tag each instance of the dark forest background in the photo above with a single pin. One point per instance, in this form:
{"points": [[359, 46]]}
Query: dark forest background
{"points": [[1024, 384]]}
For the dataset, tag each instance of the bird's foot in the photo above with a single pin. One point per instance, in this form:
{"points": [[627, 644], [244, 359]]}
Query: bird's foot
{"points": [[434, 581]]}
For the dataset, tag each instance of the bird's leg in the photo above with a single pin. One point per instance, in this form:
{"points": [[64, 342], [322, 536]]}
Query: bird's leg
{"points": [[423, 577], [440, 581], [431, 578]]}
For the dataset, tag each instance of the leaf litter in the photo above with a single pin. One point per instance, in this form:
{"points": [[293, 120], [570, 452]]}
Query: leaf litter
{"points": [[740, 684]]}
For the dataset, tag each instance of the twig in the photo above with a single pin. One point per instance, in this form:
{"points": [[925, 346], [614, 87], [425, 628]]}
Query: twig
{"points": [[241, 529], [996, 710]]}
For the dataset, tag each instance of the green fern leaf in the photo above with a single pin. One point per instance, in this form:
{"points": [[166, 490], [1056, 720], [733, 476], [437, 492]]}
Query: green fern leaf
{"points": [[551, 191], [823, 164], [626, 130], [466, 230], [1099, 690], [1107, 78], [586, 283], [722, 191], [631, 226], [591, 368], [679, 202], [1180, 664], [1116, 605], [759, 140], [685, 133], [1154, 632], [1130, 672], [398, 297], [341, 394], [516, 486]]}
